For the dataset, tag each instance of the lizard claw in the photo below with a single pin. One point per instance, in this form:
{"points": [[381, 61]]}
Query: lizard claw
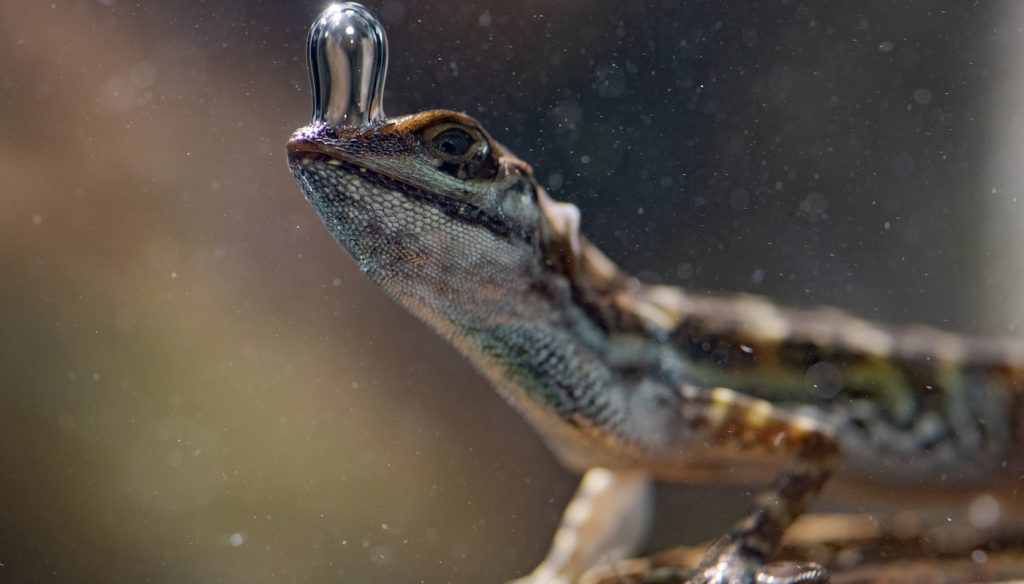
{"points": [[728, 563], [776, 573], [792, 573]]}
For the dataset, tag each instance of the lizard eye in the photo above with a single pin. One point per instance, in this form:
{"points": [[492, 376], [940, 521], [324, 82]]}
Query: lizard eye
{"points": [[461, 151], [454, 142]]}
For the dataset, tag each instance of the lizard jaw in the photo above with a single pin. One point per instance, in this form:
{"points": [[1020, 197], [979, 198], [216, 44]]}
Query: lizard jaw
{"points": [[305, 145]]}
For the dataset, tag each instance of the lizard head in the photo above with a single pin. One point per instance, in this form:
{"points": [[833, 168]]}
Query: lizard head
{"points": [[441, 158], [429, 205], [447, 220]]}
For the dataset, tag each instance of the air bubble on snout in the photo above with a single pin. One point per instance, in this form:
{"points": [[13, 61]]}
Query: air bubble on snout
{"points": [[347, 53]]}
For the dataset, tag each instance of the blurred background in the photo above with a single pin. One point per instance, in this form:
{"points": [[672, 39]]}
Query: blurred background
{"points": [[197, 385]]}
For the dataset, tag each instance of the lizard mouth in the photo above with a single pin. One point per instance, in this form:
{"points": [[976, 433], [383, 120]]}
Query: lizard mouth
{"points": [[302, 149], [305, 149]]}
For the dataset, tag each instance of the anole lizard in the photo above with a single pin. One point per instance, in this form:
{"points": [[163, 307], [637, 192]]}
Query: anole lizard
{"points": [[630, 383]]}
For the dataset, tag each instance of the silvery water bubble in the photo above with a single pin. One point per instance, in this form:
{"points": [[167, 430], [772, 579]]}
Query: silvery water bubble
{"points": [[348, 60]]}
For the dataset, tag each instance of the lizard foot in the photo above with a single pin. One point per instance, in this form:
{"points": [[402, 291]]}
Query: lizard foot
{"points": [[729, 563], [775, 573]]}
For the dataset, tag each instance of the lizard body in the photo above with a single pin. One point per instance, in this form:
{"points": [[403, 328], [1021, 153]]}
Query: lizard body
{"points": [[617, 374], [502, 272]]}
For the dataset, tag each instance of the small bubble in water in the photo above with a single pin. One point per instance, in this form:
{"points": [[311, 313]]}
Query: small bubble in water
{"points": [[555, 181], [382, 555], [984, 511], [922, 96]]}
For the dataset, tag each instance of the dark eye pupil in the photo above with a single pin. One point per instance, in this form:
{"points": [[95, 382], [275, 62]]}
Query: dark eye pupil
{"points": [[453, 142]]}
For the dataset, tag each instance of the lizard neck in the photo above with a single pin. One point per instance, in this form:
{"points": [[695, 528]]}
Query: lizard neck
{"points": [[615, 301]]}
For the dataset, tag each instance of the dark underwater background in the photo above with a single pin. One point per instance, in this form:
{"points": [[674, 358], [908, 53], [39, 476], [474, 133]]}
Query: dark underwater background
{"points": [[197, 385]]}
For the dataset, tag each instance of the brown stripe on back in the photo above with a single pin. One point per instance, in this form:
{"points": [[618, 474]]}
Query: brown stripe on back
{"points": [[720, 348], [907, 371]]}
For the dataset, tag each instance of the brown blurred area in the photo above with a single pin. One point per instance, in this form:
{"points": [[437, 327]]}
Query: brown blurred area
{"points": [[196, 385]]}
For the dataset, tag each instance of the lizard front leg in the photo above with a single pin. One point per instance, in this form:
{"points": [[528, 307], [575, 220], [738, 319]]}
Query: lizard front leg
{"points": [[606, 521], [748, 426]]}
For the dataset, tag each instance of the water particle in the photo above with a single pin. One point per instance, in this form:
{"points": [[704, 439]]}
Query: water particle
{"points": [[37, 219], [979, 556], [983, 511], [236, 539], [814, 205], [555, 181], [382, 556], [611, 81], [922, 96], [886, 46], [903, 165], [485, 19], [824, 380]]}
